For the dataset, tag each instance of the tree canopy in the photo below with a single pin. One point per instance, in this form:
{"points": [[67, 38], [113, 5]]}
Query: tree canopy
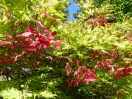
{"points": [[44, 55]]}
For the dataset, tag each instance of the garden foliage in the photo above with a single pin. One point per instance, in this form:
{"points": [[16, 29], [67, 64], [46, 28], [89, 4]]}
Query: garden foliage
{"points": [[44, 55]]}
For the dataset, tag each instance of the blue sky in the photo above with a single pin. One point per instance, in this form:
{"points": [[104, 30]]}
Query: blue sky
{"points": [[72, 9]]}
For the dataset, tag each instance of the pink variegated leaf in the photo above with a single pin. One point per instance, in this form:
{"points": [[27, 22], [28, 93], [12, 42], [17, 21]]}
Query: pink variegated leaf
{"points": [[69, 59], [23, 52], [16, 57], [44, 46], [120, 69], [68, 68], [4, 42], [87, 81], [39, 63], [67, 73], [92, 79], [129, 70], [26, 34], [84, 67], [46, 43], [9, 37], [34, 20], [54, 33], [93, 22], [77, 62], [35, 49], [1, 73], [77, 82], [70, 83], [27, 39], [50, 37], [33, 44], [8, 15], [76, 73], [32, 30], [112, 70], [57, 43], [92, 75], [118, 74], [49, 57], [48, 16], [41, 25], [53, 21], [96, 67], [13, 47]]}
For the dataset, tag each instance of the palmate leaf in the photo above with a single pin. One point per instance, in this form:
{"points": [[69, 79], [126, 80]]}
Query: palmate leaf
{"points": [[1, 1], [4, 27], [47, 94], [11, 94], [16, 4], [123, 44], [18, 9]]}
